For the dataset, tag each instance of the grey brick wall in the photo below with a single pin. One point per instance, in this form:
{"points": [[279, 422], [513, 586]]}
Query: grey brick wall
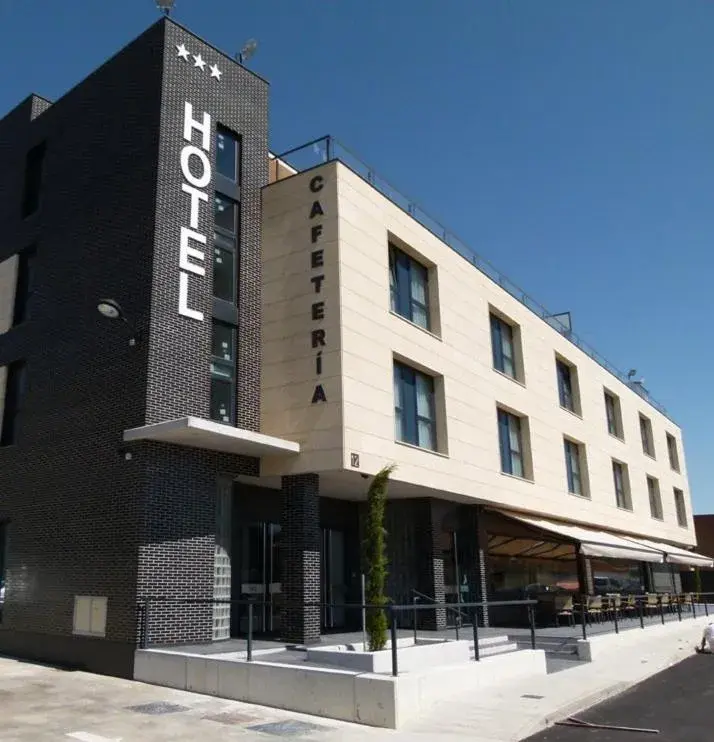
{"points": [[83, 518]]}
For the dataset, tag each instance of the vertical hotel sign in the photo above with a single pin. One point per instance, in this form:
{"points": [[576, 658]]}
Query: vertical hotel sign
{"points": [[196, 171], [318, 339]]}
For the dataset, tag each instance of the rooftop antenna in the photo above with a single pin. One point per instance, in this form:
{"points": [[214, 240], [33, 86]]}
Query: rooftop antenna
{"points": [[632, 373], [248, 50], [166, 6]]}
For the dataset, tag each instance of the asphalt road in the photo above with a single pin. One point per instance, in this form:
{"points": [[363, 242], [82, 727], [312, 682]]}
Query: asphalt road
{"points": [[679, 702]]}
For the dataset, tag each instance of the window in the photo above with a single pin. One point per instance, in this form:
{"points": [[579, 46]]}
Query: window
{"points": [[503, 346], [573, 461], [223, 373], [680, 507], [414, 408], [566, 385], [673, 453], [14, 393], [655, 498], [408, 287], [226, 220], [646, 433], [622, 486], [3, 564], [33, 180], [24, 291], [510, 439], [228, 155], [614, 415]]}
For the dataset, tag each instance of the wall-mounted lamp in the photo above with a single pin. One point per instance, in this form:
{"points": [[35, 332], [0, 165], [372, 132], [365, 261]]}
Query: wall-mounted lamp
{"points": [[111, 309]]}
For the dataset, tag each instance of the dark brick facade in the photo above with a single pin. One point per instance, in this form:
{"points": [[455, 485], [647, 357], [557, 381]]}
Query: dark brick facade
{"points": [[85, 518]]}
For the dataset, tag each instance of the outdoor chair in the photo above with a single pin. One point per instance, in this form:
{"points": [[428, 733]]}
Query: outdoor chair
{"points": [[666, 602], [615, 605], [652, 604], [685, 600], [564, 606], [629, 607], [594, 608]]}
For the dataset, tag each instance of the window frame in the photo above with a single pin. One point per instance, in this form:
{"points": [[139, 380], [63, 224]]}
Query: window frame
{"points": [[574, 476], [498, 357], [616, 415], [231, 135], [673, 453], [625, 486], [34, 177], [229, 376], [654, 493], [407, 419], [680, 507], [15, 392], [647, 436], [508, 425], [401, 297], [4, 550], [560, 365], [24, 286]]}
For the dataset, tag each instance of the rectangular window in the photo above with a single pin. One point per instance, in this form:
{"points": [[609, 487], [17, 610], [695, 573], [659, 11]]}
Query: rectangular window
{"points": [[223, 373], [646, 432], [33, 180], [502, 346], [673, 453], [14, 396], [3, 564], [228, 154], [414, 408], [655, 498], [225, 213], [24, 292], [614, 415], [408, 287], [622, 489], [224, 273], [680, 507], [510, 439], [573, 457], [566, 385]]}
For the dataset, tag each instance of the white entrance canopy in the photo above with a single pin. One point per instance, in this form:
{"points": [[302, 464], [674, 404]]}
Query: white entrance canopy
{"points": [[678, 555], [196, 432], [592, 542]]}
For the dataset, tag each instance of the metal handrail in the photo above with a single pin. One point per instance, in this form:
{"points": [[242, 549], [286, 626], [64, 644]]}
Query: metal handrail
{"points": [[334, 150]]}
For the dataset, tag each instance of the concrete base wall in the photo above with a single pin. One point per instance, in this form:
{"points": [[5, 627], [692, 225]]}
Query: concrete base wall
{"points": [[598, 647], [376, 700]]}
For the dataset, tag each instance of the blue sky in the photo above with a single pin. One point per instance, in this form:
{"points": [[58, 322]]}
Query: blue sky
{"points": [[568, 141]]}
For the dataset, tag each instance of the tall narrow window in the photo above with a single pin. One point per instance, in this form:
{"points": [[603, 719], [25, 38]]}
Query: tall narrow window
{"points": [[646, 433], [34, 165], [680, 507], [622, 489], [655, 498], [566, 386], [228, 154], [503, 347], [3, 564], [614, 416], [408, 287], [226, 220], [673, 453], [223, 373], [414, 407], [510, 439], [573, 456], [14, 396], [24, 291]]}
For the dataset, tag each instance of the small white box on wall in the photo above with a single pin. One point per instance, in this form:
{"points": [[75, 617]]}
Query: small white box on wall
{"points": [[90, 615]]}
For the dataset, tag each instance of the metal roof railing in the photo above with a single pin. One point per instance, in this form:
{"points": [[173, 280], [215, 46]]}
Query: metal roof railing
{"points": [[327, 148]]}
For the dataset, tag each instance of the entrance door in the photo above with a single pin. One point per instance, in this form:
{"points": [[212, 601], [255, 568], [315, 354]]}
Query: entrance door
{"points": [[260, 576], [334, 589]]}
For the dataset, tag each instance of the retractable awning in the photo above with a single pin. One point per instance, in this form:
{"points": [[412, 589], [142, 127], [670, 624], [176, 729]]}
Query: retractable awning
{"points": [[678, 555], [592, 542]]}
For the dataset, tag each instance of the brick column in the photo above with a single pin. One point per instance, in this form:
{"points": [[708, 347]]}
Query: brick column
{"points": [[300, 554]]}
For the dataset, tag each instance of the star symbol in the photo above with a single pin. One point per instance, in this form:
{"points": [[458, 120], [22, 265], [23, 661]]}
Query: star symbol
{"points": [[200, 62], [182, 51], [215, 72]]}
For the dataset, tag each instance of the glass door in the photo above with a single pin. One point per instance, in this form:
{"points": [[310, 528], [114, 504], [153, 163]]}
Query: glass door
{"points": [[260, 576], [334, 589]]}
